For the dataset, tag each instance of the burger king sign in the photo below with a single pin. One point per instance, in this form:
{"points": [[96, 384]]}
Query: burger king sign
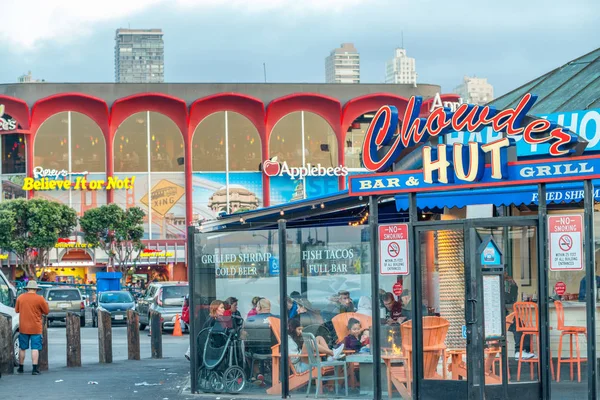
{"points": [[273, 167]]}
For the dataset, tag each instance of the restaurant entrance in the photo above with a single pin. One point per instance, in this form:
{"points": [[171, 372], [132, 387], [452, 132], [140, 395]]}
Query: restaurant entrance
{"points": [[480, 336]]}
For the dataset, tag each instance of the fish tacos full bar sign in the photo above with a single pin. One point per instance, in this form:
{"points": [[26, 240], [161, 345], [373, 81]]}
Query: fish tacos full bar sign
{"points": [[463, 166], [53, 179]]}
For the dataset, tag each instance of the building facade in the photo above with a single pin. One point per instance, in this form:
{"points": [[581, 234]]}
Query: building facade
{"points": [[401, 69], [343, 65], [28, 78], [139, 56], [475, 90], [191, 151]]}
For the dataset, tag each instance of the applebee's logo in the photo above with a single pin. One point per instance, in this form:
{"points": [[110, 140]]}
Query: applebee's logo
{"points": [[273, 168], [7, 123]]}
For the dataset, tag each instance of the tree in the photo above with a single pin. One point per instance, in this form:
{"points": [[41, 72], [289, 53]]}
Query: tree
{"points": [[116, 231], [37, 225]]}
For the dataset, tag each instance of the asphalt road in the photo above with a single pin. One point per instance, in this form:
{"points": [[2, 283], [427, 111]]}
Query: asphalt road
{"points": [[146, 379]]}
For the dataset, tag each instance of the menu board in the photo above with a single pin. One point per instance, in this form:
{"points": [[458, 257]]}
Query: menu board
{"points": [[492, 306]]}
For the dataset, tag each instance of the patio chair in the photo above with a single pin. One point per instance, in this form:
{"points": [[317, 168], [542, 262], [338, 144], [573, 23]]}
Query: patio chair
{"points": [[340, 323], [315, 362]]}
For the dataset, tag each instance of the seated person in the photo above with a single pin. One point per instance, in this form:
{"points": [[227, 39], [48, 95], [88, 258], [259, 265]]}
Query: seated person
{"points": [[393, 310], [364, 306], [583, 287], [296, 347], [217, 310], [357, 339], [345, 302], [255, 301]]}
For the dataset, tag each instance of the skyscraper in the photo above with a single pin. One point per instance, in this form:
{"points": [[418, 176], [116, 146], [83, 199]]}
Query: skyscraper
{"points": [[343, 65], [139, 56], [401, 69], [475, 90]]}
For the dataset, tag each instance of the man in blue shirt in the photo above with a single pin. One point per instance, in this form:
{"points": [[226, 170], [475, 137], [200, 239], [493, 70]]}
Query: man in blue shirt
{"points": [[583, 289]]}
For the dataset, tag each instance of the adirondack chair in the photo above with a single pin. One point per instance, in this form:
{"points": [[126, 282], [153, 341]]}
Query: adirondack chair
{"points": [[340, 323], [435, 330], [296, 380]]}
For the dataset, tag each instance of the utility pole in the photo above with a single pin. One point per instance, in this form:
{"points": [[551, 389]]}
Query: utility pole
{"points": [[265, 71]]}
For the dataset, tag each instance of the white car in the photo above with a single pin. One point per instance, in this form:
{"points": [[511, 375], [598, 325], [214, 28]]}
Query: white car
{"points": [[8, 296]]}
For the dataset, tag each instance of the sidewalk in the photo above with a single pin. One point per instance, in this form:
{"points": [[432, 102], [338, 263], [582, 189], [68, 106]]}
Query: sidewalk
{"points": [[146, 379]]}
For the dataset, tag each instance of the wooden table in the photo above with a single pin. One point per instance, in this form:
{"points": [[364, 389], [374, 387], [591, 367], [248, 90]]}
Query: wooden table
{"points": [[459, 368], [365, 371]]}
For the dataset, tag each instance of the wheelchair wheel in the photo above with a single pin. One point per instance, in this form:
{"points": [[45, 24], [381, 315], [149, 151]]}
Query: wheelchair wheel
{"points": [[234, 379], [215, 380], [202, 380]]}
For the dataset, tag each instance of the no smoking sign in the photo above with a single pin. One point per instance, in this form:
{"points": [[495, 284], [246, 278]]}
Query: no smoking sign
{"points": [[566, 246], [393, 249]]}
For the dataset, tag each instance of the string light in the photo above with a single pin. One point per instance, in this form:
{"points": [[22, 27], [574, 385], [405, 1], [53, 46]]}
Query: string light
{"points": [[361, 221]]}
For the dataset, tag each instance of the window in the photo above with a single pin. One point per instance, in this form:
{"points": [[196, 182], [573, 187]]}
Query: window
{"points": [[5, 293], [355, 138]]}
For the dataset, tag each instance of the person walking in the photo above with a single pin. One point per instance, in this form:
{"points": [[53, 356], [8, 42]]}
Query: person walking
{"points": [[30, 306]]}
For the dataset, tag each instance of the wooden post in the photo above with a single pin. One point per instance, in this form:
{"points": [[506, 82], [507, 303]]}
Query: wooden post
{"points": [[73, 340], [156, 334], [7, 358], [43, 360], [104, 337], [133, 335]]}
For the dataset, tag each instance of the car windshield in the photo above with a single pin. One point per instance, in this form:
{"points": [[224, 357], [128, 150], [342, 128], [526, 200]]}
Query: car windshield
{"points": [[63, 295], [118, 297], [175, 292]]}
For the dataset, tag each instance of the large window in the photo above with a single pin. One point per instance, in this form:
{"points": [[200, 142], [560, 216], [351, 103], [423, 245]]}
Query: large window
{"points": [[149, 147], [13, 167], [226, 151], [73, 142], [355, 138]]}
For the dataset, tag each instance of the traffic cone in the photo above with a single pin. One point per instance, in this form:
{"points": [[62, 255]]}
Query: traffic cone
{"points": [[177, 328]]}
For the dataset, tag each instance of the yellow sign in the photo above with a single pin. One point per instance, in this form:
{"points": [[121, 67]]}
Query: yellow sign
{"points": [[3, 256], [53, 179], [156, 253], [165, 194]]}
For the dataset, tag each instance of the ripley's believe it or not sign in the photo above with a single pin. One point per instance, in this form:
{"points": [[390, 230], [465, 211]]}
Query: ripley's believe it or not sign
{"points": [[53, 179], [463, 166]]}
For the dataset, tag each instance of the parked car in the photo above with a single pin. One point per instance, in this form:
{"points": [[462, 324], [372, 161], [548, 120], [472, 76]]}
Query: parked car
{"points": [[62, 300], [165, 298], [8, 295], [116, 303]]}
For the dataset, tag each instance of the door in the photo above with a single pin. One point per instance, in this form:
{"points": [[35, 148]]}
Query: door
{"points": [[470, 275]]}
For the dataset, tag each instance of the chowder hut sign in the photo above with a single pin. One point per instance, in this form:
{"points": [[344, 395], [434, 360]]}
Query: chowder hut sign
{"points": [[463, 166]]}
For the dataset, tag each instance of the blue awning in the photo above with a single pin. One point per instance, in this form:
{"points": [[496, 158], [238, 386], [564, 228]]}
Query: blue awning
{"points": [[504, 196]]}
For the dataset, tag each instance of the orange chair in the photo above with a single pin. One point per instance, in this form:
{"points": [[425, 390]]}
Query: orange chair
{"points": [[571, 331], [435, 330], [526, 318], [340, 323]]}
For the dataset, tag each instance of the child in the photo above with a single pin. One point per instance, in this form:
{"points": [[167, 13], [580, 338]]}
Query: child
{"points": [[253, 311], [357, 339]]}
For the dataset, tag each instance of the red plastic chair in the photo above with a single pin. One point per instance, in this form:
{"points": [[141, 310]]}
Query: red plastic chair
{"points": [[571, 331]]}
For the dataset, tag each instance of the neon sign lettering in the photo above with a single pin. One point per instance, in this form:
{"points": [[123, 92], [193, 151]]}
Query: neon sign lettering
{"points": [[384, 132], [7, 123]]}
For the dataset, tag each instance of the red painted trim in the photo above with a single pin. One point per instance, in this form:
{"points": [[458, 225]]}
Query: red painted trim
{"points": [[189, 184], [327, 107], [248, 106], [18, 109]]}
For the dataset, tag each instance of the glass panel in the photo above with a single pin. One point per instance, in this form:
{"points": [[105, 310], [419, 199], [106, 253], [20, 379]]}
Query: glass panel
{"points": [[166, 144], [88, 149], [320, 141], [208, 144], [138, 196], [329, 285], [244, 143], [51, 145], [168, 206], [355, 138], [12, 187], [13, 154], [286, 140], [83, 200], [244, 329], [442, 266], [131, 145]]}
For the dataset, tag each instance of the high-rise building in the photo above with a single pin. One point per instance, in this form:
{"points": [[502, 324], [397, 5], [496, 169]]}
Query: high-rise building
{"points": [[28, 78], [139, 56], [343, 65], [475, 90], [401, 69]]}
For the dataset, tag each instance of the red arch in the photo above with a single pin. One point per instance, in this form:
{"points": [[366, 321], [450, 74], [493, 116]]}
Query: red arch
{"points": [[327, 107], [248, 106], [367, 103], [18, 109], [91, 106]]}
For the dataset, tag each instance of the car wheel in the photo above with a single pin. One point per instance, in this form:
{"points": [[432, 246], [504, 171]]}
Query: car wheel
{"points": [[16, 348], [82, 322]]}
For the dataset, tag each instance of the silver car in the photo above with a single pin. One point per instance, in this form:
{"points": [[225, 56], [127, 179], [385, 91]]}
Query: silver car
{"points": [[163, 297]]}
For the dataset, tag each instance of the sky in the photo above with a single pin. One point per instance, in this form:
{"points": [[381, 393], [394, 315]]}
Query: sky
{"points": [[509, 42]]}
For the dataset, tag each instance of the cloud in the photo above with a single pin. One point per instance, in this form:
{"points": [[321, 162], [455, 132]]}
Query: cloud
{"points": [[30, 24]]}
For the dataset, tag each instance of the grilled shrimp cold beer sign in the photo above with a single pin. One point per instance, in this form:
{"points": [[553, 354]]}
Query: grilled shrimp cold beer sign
{"points": [[463, 166]]}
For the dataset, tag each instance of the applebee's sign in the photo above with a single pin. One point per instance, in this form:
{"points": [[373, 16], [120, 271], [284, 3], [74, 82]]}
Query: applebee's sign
{"points": [[273, 168], [460, 166], [7, 123]]}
